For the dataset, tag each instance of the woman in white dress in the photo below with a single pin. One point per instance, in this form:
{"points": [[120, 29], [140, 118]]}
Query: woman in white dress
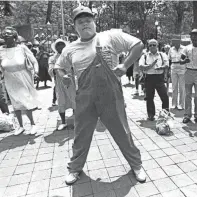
{"points": [[18, 77], [65, 96]]}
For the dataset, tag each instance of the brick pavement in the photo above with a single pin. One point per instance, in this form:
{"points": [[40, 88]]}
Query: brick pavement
{"points": [[35, 166]]}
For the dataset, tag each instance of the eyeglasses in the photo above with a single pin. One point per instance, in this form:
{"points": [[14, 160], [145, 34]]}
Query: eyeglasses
{"points": [[152, 45]]}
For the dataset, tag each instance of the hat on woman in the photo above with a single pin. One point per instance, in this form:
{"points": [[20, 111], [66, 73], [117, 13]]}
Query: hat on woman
{"points": [[11, 31], [53, 45]]}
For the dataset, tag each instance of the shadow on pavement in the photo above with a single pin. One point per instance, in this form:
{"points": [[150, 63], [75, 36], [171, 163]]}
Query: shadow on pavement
{"points": [[53, 108], [129, 85], [177, 113], [100, 127], [191, 129], [118, 186], [43, 88], [60, 137], [147, 124], [12, 141], [138, 97]]}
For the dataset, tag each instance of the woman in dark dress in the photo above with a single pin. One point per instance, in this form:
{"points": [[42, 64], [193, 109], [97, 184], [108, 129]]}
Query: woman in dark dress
{"points": [[43, 74]]}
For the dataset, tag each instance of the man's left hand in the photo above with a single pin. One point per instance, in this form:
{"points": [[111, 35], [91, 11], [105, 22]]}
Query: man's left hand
{"points": [[120, 70]]}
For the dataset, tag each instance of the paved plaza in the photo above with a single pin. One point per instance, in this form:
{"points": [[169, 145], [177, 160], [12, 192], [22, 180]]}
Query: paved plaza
{"points": [[35, 166]]}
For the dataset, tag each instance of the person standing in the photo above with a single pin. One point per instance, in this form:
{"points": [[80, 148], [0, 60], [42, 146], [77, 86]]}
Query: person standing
{"points": [[177, 73], [63, 99], [3, 101], [189, 57], [94, 60], [18, 77], [153, 64], [43, 74]]}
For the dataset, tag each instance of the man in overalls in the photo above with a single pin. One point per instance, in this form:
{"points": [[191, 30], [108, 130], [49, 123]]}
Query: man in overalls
{"points": [[94, 59]]}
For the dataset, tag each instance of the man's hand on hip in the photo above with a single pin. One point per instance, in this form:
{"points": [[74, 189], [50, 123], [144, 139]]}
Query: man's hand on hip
{"points": [[66, 80], [120, 70]]}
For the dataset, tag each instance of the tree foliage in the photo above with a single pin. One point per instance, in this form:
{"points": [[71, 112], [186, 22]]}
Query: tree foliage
{"points": [[173, 16]]}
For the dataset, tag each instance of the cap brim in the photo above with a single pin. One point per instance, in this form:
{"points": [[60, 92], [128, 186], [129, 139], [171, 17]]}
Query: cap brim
{"points": [[83, 13]]}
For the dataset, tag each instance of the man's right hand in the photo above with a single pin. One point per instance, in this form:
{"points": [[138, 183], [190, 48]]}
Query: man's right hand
{"points": [[153, 63], [66, 80]]}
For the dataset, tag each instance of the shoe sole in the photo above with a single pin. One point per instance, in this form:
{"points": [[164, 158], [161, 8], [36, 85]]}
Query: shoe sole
{"points": [[75, 180], [71, 182], [143, 181], [62, 128], [140, 181], [19, 133]]}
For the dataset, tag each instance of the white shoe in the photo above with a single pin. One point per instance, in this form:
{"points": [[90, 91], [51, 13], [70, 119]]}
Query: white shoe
{"points": [[61, 127], [180, 107], [28, 132], [72, 178], [19, 131], [140, 175], [33, 130]]}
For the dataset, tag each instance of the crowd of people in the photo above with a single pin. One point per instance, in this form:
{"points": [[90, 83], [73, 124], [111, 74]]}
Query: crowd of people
{"points": [[155, 69], [86, 73]]}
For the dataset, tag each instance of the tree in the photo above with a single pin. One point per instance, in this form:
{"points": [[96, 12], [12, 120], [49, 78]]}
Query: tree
{"points": [[7, 9], [194, 14], [49, 9]]}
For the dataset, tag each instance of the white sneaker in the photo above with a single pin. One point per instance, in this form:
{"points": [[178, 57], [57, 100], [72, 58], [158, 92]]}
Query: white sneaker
{"points": [[180, 107], [19, 131], [140, 175], [33, 130], [61, 127], [72, 178]]}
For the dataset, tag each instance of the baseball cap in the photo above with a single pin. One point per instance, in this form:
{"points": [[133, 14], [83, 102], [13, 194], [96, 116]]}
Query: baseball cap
{"points": [[81, 10], [194, 31]]}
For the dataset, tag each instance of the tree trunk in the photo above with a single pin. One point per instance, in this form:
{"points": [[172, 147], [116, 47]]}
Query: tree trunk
{"points": [[114, 25], [90, 5], [178, 24], [194, 15], [7, 8], [49, 9]]}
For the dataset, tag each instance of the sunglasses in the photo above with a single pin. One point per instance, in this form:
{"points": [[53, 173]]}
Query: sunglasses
{"points": [[152, 45]]}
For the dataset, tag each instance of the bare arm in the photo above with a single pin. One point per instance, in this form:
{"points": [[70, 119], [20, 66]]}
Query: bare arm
{"points": [[134, 55]]}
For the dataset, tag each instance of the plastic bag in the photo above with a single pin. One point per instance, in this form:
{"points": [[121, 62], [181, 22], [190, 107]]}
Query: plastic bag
{"points": [[164, 123], [7, 123]]}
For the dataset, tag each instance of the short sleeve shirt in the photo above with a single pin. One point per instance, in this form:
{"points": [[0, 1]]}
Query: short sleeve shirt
{"points": [[191, 52], [79, 55], [175, 56], [149, 58]]}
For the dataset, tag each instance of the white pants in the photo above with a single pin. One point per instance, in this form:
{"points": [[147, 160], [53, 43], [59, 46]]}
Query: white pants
{"points": [[178, 86]]}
